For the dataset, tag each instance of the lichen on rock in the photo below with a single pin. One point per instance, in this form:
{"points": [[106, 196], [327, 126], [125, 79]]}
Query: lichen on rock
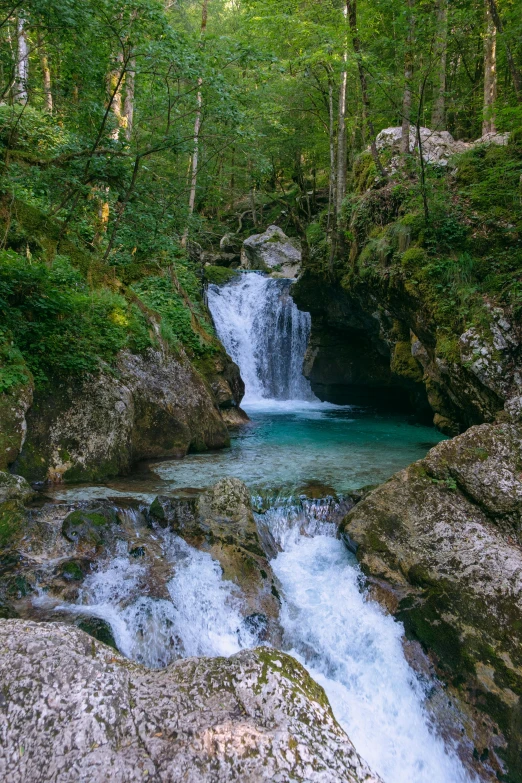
{"points": [[89, 713]]}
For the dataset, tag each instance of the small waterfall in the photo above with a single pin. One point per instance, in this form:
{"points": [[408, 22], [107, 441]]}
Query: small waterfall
{"points": [[265, 334]]}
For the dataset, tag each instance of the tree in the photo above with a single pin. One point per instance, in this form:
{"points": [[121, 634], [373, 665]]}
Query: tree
{"points": [[490, 74], [438, 115]]}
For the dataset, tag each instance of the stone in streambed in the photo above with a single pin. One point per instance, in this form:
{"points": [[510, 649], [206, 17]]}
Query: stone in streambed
{"points": [[221, 522], [88, 526], [73, 709], [14, 488]]}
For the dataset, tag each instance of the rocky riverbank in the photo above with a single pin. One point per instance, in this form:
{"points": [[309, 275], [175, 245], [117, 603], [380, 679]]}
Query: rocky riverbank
{"points": [[88, 712], [441, 545]]}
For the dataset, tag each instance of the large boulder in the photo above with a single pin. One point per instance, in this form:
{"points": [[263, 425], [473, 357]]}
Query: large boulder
{"points": [[221, 522], [445, 536], [71, 709], [272, 251], [14, 488], [153, 406], [437, 146]]}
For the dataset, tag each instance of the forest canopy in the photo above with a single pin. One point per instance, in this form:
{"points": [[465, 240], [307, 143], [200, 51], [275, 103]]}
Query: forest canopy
{"points": [[135, 133], [144, 119]]}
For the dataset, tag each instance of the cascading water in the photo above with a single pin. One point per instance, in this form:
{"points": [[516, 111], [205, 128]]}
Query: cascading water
{"points": [[265, 334], [345, 641]]}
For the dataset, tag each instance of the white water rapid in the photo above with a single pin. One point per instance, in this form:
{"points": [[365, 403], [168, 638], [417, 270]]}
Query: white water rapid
{"points": [[355, 652], [345, 641], [265, 334]]}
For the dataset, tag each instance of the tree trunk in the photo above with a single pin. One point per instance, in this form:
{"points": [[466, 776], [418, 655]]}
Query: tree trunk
{"points": [[341, 133], [490, 74], [46, 73], [197, 128], [128, 106], [114, 85], [438, 116], [351, 6], [331, 134], [408, 75], [515, 73], [22, 63]]}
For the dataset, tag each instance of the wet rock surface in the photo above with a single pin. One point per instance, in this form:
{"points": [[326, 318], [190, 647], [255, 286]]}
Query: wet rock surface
{"points": [[445, 535], [72, 709]]}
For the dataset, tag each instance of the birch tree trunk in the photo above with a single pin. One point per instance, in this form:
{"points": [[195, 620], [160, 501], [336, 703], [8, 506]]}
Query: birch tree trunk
{"points": [[128, 106], [22, 63], [490, 74], [408, 76], [438, 116], [197, 129], [114, 88], [340, 177]]}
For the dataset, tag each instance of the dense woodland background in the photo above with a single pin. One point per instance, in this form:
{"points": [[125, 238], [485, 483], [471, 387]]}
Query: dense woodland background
{"points": [[134, 132]]}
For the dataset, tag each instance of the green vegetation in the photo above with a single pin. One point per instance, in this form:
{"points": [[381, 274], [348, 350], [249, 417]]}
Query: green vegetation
{"points": [[103, 205], [219, 274]]}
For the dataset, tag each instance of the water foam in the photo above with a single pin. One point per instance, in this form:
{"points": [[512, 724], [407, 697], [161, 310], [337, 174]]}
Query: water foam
{"points": [[355, 652], [200, 616]]}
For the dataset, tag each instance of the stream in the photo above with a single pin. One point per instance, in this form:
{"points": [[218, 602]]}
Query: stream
{"points": [[297, 456]]}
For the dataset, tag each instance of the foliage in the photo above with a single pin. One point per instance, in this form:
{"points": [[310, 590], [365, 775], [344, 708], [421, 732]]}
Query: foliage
{"points": [[59, 326]]}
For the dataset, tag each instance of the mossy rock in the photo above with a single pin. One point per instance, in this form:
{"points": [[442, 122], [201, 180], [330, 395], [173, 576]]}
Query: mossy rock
{"points": [[219, 274], [404, 364], [12, 520], [413, 259], [99, 629], [88, 526], [72, 571]]}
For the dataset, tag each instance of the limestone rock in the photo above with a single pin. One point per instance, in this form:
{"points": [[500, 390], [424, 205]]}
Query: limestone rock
{"points": [[221, 522], [14, 488], [13, 427], [272, 251], [437, 146], [155, 405], [446, 533], [71, 709]]}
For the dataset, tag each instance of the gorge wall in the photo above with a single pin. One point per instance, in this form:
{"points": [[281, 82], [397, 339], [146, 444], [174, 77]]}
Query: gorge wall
{"points": [[421, 309]]}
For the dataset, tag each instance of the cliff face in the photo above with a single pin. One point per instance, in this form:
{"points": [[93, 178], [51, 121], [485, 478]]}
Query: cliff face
{"points": [[149, 406], [378, 340], [441, 545], [422, 305]]}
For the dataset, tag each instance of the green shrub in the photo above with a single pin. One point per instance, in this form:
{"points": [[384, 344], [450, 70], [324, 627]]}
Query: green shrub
{"points": [[59, 325], [180, 324]]}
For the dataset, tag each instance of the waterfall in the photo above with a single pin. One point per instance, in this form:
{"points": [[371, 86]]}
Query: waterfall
{"points": [[265, 334]]}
